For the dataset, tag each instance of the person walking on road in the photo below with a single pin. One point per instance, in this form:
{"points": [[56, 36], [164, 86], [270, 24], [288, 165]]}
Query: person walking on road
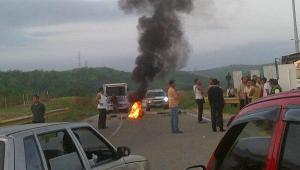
{"points": [[38, 110], [174, 98], [101, 101], [198, 92], [216, 101]]}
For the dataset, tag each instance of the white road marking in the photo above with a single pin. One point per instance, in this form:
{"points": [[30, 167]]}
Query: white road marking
{"points": [[194, 115], [118, 128]]}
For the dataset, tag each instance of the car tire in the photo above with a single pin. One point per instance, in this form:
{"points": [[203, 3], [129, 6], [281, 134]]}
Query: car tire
{"points": [[147, 108], [166, 107]]}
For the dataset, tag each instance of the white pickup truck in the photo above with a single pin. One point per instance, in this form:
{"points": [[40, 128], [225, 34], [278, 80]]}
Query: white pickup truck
{"points": [[116, 96]]}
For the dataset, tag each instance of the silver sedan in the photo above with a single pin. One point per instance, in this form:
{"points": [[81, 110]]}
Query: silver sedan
{"points": [[63, 146]]}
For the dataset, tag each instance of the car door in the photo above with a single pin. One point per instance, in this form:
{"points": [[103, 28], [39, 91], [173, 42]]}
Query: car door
{"points": [[290, 151], [96, 150], [246, 144]]}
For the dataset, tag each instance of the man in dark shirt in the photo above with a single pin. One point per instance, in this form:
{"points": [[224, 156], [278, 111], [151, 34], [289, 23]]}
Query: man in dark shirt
{"points": [[216, 101], [38, 110]]}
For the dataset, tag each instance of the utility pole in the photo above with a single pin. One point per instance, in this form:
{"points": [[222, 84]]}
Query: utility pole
{"points": [[296, 38], [79, 60]]}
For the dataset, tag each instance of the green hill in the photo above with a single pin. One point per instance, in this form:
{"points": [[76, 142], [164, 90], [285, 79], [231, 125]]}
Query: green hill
{"points": [[79, 82]]}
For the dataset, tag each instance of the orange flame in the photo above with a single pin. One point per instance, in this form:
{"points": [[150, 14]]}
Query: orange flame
{"points": [[136, 110]]}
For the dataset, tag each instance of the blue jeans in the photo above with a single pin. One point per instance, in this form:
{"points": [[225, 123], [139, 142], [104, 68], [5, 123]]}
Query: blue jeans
{"points": [[174, 119]]}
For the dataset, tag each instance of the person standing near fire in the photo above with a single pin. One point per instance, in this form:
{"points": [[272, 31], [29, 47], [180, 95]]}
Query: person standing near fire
{"points": [[198, 92], [174, 98], [101, 101]]}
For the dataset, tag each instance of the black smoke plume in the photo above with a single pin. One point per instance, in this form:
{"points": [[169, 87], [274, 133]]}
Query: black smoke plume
{"points": [[162, 45]]}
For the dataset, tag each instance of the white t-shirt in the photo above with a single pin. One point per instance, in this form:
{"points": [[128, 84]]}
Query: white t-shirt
{"points": [[247, 90], [102, 102], [197, 92], [266, 88]]}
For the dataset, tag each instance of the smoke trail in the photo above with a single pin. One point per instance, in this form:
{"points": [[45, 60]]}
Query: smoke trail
{"points": [[162, 45]]}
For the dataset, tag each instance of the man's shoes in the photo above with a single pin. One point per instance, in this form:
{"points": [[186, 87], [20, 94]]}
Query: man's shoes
{"points": [[178, 132]]}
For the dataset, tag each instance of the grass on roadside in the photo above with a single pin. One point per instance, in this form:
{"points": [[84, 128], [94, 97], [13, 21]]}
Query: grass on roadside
{"points": [[80, 108]]}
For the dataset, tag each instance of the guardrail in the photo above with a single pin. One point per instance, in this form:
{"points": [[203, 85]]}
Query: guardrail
{"points": [[28, 119], [229, 100]]}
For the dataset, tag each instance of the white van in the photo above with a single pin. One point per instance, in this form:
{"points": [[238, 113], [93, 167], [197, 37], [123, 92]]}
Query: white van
{"points": [[119, 92]]}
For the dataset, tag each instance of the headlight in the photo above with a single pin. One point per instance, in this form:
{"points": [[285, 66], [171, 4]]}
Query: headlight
{"points": [[149, 101], [166, 99]]}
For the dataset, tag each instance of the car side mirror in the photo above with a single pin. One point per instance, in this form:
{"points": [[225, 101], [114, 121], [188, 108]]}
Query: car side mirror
{"points": [[123, 151], [195, 167]]}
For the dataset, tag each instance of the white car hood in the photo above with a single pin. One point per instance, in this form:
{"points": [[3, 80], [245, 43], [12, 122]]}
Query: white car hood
{"points": [[134, 158]]}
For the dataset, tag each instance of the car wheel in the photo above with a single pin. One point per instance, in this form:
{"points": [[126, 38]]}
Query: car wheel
{"points": [[148, 109]]}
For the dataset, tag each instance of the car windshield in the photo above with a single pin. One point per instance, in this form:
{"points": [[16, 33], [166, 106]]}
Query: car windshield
{"points": [[2, 151], [155, 94], [115, 91]]}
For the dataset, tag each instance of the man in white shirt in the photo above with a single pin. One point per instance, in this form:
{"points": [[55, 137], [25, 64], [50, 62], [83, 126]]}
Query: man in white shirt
{"points": [[267, 88], [101, 101], [198, 92]]}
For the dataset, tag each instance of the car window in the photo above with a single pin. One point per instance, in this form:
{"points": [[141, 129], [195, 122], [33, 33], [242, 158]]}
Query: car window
{"points": [[291, 150], [245, 146], [116, 91], [32, 156], [60, 151], [96, 149], [155, 94], [250, 149], [2, 152]]}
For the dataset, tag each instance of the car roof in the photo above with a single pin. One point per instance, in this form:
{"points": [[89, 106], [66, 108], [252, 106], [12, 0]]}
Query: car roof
{"points": [[287, 94], [282, 99], [9, 130]]}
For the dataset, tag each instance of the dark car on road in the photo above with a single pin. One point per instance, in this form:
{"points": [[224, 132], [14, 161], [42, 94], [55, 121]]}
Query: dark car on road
{"points": [[264, 135], [156, 98], [62, 146]]}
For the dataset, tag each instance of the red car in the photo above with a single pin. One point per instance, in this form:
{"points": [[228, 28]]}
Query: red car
{"points": [[265, 135]]}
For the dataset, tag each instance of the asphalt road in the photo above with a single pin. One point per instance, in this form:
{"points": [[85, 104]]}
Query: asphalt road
{"points": [[151, 137]]}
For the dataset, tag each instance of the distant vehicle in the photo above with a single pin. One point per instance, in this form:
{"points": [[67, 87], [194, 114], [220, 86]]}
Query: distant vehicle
{"points": [[263, 135], [62, 146], [156, 98], [116, 96]]}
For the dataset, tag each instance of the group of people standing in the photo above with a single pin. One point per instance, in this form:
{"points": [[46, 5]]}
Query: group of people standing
{"points": [[215, 98], [252, 89]]}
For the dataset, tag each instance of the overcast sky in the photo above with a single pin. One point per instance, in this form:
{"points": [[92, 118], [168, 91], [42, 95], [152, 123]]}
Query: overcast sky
{"points": [[48, 34]]}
